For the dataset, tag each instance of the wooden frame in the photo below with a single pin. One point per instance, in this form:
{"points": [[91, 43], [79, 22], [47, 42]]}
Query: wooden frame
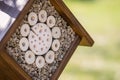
{"points": [[10, 69]]}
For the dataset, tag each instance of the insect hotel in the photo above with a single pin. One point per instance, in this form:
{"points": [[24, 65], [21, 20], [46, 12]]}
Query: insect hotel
{"points": [[39, 40]]}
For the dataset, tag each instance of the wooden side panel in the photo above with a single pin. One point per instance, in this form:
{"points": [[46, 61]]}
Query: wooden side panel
{"points": [[9, 70], [5, 71], [77, 27], [66, 58]]}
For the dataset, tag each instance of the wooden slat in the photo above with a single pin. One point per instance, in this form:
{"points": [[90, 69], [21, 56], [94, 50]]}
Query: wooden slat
{"points": [[5, 71], [10, 69], [66, 58]]}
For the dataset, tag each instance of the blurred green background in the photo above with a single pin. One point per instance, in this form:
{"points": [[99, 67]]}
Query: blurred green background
{"points": [[101, 18]]}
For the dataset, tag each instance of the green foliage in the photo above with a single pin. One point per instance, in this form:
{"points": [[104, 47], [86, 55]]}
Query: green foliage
{"points": [[101, 18]]}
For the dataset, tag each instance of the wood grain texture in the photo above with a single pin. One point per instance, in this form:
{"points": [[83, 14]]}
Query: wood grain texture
{"points": [[9, 69]]}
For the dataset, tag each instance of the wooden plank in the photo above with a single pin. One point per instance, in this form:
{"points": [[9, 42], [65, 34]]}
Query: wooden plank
{"points": [[10, 70], [66, 58], [5, 71], [70, 18]]}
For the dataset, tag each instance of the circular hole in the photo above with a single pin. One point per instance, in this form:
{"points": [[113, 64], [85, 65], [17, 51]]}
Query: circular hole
{"points": [[37, 51], [25, 30], [50, 21], [42, 41], [56, 45], [35, 28], [40, 30], [29, 56], [45, 30], [41, 26], [32, 18], [32, 36], [39, 61], [43, 34], [41, 49], [56, 32], [39, 38], [31, 41], [42, 16], [47, 39], [34, 46], [23, 44], [50, 57]]}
